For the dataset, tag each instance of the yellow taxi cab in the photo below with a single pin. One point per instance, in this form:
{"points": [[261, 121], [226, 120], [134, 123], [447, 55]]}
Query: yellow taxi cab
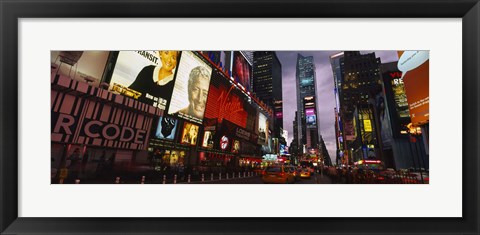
{"points": [[305, 173], [278, 175]]}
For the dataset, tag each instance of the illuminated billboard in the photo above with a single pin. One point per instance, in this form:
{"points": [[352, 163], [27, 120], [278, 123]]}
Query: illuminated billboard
{"points": [[147, 76], [226, 102], [396, 100], [241, 69], [236, 146], [311, 117], [190, 92], [208, 139], [166, 128], [415, 73], [262, 129], [190, 134]]}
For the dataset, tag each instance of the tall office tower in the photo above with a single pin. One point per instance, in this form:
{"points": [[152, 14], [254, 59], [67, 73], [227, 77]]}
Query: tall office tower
{"points": [[294, 148], [267, 85], [357, 77], [248, 55], [337, 63], [308, 126]]}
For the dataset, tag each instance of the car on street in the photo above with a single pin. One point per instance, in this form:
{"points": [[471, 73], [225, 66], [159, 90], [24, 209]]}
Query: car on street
{"points": [[305, 173], [293, 170], [278, 175]]}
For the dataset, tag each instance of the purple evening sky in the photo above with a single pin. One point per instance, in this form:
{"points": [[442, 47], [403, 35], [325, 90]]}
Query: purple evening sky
{"points": [[324, 82]]}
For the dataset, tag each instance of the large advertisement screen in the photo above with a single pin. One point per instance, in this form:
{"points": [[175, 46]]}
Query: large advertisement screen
{"points": [[415, 68], [147, 76], [189, 134], [190, 92], [241, 69], [166, 128], [226, 102], [311, 117]]}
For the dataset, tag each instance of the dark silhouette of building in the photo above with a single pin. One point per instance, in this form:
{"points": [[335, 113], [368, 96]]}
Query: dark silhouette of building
{"points": [[357, 81], [267, 85]]}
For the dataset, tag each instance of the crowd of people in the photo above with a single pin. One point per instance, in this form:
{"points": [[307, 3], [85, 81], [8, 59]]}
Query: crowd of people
{"points": [[355, 175]]}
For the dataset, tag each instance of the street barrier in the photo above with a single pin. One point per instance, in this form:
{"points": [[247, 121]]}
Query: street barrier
{"points": [[143, 180], [77, 181], [203, 177], [220, 176], [164, 179], [188, 178], [211, 176], [117, 180], [175, 179], [227, 175]]}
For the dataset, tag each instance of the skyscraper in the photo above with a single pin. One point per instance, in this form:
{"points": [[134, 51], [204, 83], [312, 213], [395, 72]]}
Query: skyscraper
{"points": [[267, 84], [337, 63], [357, 81], [307, 113]]}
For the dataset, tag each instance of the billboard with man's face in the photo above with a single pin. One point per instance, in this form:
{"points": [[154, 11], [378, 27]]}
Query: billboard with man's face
{"points": [[147, 76], [189, 97]]}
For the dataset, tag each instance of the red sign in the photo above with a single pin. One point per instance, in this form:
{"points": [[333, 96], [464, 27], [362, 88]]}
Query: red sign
{"points": [[224, 142], [223, 103]]}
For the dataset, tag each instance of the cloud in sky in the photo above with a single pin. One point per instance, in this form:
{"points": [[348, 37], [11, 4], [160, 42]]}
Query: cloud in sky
{"points": [[324, 86]]}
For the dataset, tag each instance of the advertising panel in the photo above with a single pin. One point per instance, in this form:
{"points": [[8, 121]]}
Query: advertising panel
{"points": [[396, 100], [147, 76], [262, 129], [384, 120], [241, 69], [224, 102], [208, 139], [189, 134], [224, 142], [80, 121], [166, 128], [415, 73], [349, 130], [399, 95], [236, 146], [311, 117], [190, 92], [306, 81], [84, 66]]}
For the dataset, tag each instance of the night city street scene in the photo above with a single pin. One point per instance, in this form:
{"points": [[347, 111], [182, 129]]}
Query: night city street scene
{"points": [[240, 117]]}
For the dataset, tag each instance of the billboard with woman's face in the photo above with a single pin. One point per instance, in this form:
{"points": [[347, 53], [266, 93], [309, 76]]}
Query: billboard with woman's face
{"points": [[190, 134], [190, 93], [147, 76]]}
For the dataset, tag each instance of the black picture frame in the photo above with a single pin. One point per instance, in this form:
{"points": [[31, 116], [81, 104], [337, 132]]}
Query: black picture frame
{"points": [[11, 11]]}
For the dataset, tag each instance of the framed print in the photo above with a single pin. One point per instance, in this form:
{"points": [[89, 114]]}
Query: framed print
{"points": [[158, 123]]}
